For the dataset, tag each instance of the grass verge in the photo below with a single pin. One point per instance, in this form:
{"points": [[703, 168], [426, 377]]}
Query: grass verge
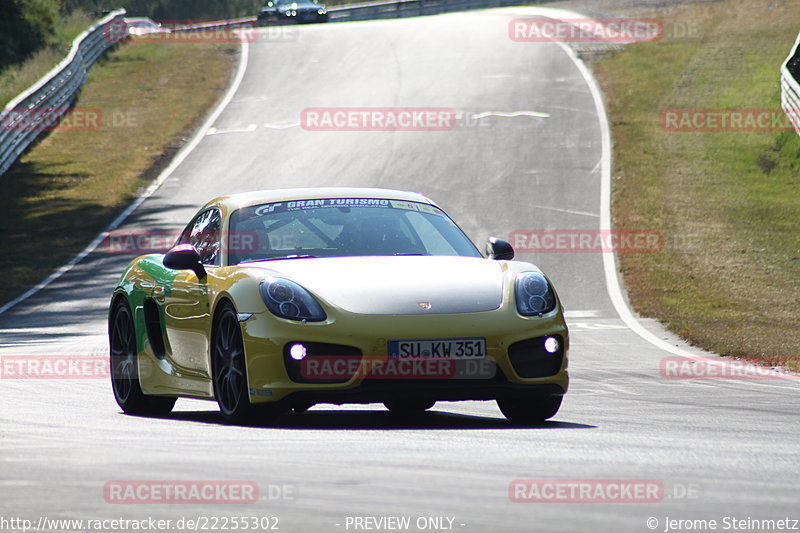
{"points": [[727, 202], [65, 190]]}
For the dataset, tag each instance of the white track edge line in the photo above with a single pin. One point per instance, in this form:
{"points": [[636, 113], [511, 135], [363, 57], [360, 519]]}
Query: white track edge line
{"points": [[182, 154], [609, 258]]}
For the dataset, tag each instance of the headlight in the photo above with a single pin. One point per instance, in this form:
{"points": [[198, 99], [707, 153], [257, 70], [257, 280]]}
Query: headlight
{"points": [[321, 11], [287, 299], [534, 294]]}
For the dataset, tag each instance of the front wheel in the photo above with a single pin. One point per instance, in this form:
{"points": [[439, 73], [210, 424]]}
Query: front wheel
{"points": [[230, 372], [124, 367], [529, 410]]}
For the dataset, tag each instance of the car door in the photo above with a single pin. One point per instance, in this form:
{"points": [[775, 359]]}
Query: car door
{"points": [[187, 307]]}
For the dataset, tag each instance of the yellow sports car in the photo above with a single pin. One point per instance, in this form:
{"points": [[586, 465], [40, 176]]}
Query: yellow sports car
{"points": [[274, 301]]}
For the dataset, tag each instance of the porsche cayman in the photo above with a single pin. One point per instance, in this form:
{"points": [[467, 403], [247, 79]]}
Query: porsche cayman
{"points": [[274, 301]]}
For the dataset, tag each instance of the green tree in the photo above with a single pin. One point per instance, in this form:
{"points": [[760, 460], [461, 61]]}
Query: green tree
{"points": [[25, 26]]}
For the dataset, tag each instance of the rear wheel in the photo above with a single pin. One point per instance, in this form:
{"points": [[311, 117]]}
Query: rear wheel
{"points": [[529, 410], [124, 367], [408, 407], [230, 372]]}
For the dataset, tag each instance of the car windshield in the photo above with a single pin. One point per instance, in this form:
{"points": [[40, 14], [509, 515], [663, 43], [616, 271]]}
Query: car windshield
{"points": [[343, 227]]}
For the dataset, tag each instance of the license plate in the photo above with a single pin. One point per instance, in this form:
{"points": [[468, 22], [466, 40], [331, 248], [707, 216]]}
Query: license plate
{"points": [[472, 348]]}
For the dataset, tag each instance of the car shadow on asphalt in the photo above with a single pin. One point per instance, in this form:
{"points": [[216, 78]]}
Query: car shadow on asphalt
{"points": [[374, 420]]}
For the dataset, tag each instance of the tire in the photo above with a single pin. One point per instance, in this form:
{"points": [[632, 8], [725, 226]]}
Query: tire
{"points": [[229, 372], [408, 407], [532, 410], [124, 367]]}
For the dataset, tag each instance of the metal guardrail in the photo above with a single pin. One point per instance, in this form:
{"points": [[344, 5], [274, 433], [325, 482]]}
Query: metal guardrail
{"points": [[40, 107], [244, 23], [411, 8], [790, 88]]}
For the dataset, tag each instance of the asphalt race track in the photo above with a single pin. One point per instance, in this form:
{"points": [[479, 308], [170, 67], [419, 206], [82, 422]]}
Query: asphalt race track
{"points": [[719, 448]]}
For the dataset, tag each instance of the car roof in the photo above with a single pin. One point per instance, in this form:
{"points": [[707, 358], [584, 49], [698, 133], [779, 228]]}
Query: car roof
{"points": [[236, 201]]}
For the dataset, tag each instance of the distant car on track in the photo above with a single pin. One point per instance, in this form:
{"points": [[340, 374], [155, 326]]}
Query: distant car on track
{"points": [[293, 11], [143, 26], [278, 300]]}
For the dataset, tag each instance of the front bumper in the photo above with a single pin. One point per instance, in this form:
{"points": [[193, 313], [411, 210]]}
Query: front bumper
{"points": [[266, 337], [310, 16]]}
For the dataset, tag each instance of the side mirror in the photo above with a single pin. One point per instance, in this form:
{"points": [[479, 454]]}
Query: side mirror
{"points": [[499, 249], [185, 257]]}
